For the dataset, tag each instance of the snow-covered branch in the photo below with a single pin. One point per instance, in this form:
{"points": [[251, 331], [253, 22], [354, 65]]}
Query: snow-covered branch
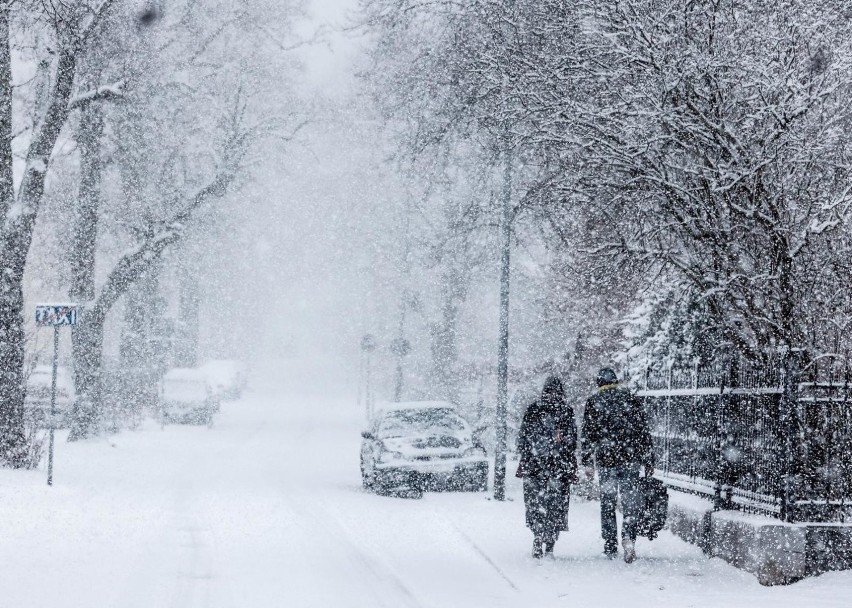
{"points": [[107, 92], [136, 261]]}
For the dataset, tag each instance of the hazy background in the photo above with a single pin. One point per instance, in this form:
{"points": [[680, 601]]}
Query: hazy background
{"points": [[310, 264]]}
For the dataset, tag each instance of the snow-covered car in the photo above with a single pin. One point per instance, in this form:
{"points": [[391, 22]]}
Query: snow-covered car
{"points": [[37, 403], [227, 377], [186, 397], [422, 445]]}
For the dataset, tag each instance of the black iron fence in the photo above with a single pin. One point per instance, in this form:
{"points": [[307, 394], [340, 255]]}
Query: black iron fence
{"points": [[773, 438]]}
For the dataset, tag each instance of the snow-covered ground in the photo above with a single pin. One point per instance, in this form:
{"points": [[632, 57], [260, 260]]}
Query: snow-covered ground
{"points": [[266, 510]]}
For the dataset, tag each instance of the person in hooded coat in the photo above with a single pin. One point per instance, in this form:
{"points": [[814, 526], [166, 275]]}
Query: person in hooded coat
{"points": [[546, 445]]}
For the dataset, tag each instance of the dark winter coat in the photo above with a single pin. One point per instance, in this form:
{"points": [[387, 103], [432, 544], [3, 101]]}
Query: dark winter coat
{"points": [[615, 429], [547, 441]]}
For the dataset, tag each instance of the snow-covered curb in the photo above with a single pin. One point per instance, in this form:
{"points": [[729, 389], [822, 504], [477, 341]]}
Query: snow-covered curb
{"points": [[777, 553]]}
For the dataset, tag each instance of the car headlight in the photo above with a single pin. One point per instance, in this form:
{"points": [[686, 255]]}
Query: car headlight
{"points": [[476, 451]]}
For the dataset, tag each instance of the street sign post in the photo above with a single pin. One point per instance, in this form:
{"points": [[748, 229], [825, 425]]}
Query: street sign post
{"points": [[55, 316]]}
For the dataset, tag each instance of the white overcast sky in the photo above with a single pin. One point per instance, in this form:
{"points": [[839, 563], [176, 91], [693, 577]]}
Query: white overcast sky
{"points": [[330, 65]]}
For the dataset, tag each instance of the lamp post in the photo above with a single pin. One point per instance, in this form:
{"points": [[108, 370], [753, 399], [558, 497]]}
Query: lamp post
{"points": [[505, 267], [503, 334]]}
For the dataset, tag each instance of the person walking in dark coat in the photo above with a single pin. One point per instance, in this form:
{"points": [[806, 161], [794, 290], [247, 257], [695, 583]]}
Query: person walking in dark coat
{"points": [[546, 445], [616, 437]]}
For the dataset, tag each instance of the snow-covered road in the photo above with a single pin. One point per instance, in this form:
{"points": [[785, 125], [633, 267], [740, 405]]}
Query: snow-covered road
{"points": [[266, 510]]}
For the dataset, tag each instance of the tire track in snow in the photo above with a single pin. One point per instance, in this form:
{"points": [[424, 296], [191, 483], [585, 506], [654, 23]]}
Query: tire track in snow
{"points": [[483, 555], [476, 548], [493, 567], [198, 582], [178, 569], [379, 572], [193, 587], [313, 525]]}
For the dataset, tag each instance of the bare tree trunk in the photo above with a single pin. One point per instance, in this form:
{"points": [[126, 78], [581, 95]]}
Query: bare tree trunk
{"points": [[17, 237], [12, 437], [186, 351], [445, 347], [87, 337], [142, 341], [7, 191], [87, 345], [85, 235]]}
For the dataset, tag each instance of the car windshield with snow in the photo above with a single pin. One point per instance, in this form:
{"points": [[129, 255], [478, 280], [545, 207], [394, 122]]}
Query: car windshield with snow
{"points": [[422, 445], [405, 422]]}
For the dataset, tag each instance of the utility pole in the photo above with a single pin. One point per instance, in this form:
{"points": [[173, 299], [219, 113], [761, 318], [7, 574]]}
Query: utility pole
{"points": [[503, 339]]}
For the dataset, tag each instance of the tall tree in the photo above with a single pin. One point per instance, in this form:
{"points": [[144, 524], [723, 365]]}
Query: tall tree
{"points": [[73, 28], [719, 152]]}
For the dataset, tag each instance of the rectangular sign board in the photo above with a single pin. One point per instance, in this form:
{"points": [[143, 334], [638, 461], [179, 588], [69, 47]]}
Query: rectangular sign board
{"points": [[54, 315]]}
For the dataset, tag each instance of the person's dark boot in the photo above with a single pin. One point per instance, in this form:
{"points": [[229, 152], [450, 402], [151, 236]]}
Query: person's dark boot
{"points": [[611, 550], [537, 550], [548, 547]]}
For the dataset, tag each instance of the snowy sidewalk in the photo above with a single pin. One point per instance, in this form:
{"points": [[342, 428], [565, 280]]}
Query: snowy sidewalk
{"points": [[266, 510]]}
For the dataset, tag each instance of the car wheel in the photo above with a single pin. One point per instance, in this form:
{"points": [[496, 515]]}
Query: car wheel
{"points": [[368, 481], [418, 484], [478, 483]]}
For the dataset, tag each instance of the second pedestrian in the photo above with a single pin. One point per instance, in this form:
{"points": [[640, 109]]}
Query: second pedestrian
{"points": [[616, 437]]}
